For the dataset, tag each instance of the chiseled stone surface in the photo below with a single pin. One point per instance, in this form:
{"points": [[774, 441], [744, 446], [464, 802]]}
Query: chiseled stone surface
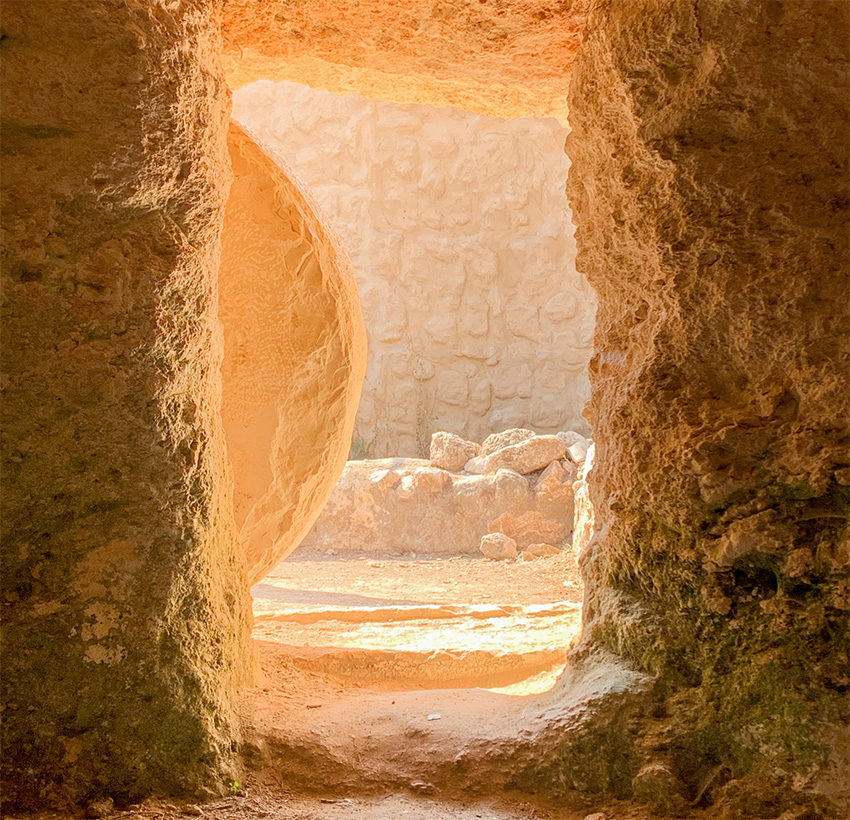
{"points": [[710, 152], [294, 354], [125, 610], [506, 59], [461, 239]]}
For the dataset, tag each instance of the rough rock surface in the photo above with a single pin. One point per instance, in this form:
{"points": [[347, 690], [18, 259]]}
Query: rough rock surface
{"points": [[498, 547], [554, 491], [460, 235], [584, 520], [528, 456], [451, 452], [498, 441], [709, 182], [503, 59], [539, 551], [400, 505], [532, 527], [125, 612], [294, 354]]}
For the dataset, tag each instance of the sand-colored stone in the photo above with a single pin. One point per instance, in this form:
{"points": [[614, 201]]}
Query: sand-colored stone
{"points": [[534, 551], [553, 491], [498, 441], [501, 59], [460, 234], [294, 354], [451, 452], [527, 456], [398, 506], [125, 610], [710, 149], [532, 527], [498, 547]]}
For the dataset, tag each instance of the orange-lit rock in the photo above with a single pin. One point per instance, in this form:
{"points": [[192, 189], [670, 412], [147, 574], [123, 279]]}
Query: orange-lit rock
{"points": [[503, 59], [294, 354]]}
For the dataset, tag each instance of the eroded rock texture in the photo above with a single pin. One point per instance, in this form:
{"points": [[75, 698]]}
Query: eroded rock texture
{"points": [[125, 613], [509, 59], [460, 236], [295, 354], [710, 183]]}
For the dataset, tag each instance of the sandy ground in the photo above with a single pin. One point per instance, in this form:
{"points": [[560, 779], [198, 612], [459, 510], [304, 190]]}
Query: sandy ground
{"points": [[422, 623], [430, 579]]}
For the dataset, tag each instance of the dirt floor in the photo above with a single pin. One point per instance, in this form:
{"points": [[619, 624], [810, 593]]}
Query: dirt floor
{"points": [[383, 679], [421, 623]]}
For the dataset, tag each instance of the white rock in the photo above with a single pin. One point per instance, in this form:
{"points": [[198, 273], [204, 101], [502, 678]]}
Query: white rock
{"points": [[570, 437], [578, 451]]}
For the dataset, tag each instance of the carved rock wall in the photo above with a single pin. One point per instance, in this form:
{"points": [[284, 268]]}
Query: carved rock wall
{"points": [[710, 154], [125, 610], [461, 239]]}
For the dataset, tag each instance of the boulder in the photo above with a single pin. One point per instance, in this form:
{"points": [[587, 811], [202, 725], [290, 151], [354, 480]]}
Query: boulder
{"points": [[512, 490], [451, 452], [384, 480], [527, 456], [554, 491], [570, 437], [498, 441], [539, 551], [531, 527], [476, 466], [498, 547]]}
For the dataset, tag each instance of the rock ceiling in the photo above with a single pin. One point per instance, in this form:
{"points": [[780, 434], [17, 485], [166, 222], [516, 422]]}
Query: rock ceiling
{"points": [[507, 58]]}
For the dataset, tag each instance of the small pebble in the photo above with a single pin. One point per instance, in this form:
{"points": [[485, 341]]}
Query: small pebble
{"points": [[434, 716]]}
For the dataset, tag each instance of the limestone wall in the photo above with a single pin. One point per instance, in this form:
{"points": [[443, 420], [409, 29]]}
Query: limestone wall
{"points": [[461, 239], [125, 611], [710, 176]]}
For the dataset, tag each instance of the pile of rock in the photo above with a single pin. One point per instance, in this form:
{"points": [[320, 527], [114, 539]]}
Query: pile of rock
{"points": [[550, 463], [516, 486]]}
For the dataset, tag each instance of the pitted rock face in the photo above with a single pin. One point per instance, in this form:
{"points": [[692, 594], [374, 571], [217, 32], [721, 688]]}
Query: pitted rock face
{"points": [[125, 611], [498, 441], [710, 149], [294, 354], [503, 59], [451, 452], [528, 456]]}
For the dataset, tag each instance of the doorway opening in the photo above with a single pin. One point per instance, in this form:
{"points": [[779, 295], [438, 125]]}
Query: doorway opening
{"points": [[445, 557]]}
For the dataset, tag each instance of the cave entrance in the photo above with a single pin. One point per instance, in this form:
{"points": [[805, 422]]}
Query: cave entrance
{"points": [[462, 245]]}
